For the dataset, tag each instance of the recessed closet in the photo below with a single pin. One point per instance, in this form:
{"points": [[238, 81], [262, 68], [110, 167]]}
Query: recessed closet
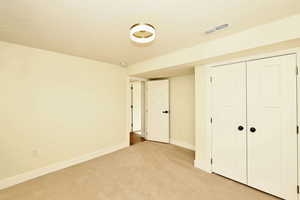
{"points": [[254, 123]]}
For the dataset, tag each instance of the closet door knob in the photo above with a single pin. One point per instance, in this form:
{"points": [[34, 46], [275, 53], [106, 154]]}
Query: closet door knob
{"points": [[240, 128], [252, 129]]}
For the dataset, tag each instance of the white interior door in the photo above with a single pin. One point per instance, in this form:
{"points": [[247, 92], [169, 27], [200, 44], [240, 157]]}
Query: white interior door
{"points": [[158, 110], [229, 121], [272, 138]]}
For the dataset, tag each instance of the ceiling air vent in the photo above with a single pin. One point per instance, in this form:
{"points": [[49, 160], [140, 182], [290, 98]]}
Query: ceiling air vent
{"points": [[221, 27], [217, 28], [210, 31]]}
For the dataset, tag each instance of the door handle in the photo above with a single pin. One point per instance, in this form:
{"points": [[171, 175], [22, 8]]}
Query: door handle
{"points": [[165, 111], [240, 128], [252, 129]]}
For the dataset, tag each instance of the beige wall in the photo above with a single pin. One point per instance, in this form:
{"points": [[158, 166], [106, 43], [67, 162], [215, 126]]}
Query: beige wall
{"points": [[182, 110], [202, 118], [55, 107]]}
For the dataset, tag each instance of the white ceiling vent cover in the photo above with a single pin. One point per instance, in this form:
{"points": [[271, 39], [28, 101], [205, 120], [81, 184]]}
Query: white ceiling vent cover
{"points": [[217, 28]]}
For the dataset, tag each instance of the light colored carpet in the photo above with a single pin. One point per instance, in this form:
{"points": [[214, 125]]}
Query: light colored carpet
{"points": [[141, 172]]}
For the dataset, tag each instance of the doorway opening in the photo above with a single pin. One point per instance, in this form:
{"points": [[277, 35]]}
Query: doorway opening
{"points": [[149, 110], [137, 111], [167, 113]]}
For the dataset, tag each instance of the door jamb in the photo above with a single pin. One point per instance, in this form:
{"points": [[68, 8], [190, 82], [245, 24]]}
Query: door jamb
{"points": [[129, 117]]}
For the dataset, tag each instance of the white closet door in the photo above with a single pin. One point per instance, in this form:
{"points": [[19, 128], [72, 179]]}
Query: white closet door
{"points": [[272, 139], [229, 115]]}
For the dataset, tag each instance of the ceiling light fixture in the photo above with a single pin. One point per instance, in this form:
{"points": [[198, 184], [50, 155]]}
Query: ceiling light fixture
{"points": [[142, 33]]}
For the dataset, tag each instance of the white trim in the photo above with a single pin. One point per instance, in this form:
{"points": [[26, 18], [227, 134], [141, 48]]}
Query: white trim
{"points": [[128, 110], [298, 117], [197, 164], [254, 57], [132, 78], [182, 144], [203, 111], [143, 93], [10, 181]]}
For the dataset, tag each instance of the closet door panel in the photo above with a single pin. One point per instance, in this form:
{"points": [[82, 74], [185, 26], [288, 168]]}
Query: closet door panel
{"points": [[229, 121], [271, 115]]}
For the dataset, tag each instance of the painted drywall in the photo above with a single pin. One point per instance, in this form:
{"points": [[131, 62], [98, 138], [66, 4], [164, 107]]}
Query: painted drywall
{"points": [[182, 119], [202, 118], [255, 38], [56, 107]]}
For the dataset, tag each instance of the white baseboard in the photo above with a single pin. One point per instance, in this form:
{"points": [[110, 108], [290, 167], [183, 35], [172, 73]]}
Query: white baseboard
{"points": [[197, 164], [10, 181], [182, 144]]}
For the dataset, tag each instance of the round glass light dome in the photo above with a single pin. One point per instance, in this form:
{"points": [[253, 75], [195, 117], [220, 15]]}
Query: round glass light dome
{"points": [[142, 33]]}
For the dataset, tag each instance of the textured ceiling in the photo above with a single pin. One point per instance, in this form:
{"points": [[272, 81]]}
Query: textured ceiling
{"points": [[98, 29]]}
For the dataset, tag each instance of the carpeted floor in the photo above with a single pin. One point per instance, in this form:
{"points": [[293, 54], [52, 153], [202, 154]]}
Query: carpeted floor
{"points": [[141, 172]]}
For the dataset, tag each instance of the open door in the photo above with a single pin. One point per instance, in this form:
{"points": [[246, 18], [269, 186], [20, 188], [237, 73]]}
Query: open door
{"points": [[158, 111]]}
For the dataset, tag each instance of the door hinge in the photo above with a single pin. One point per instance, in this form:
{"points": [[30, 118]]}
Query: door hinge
{"points": [[298, 189], [131, 124], [131, 88], [131, 106], [297, 129], [211, 79], [211, 120], [211, 161], [297, 70]]}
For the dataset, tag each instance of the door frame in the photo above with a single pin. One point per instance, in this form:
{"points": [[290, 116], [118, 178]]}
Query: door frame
{"points": [[141, 87], [298, 111], [128, 107], [203, 74]]}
